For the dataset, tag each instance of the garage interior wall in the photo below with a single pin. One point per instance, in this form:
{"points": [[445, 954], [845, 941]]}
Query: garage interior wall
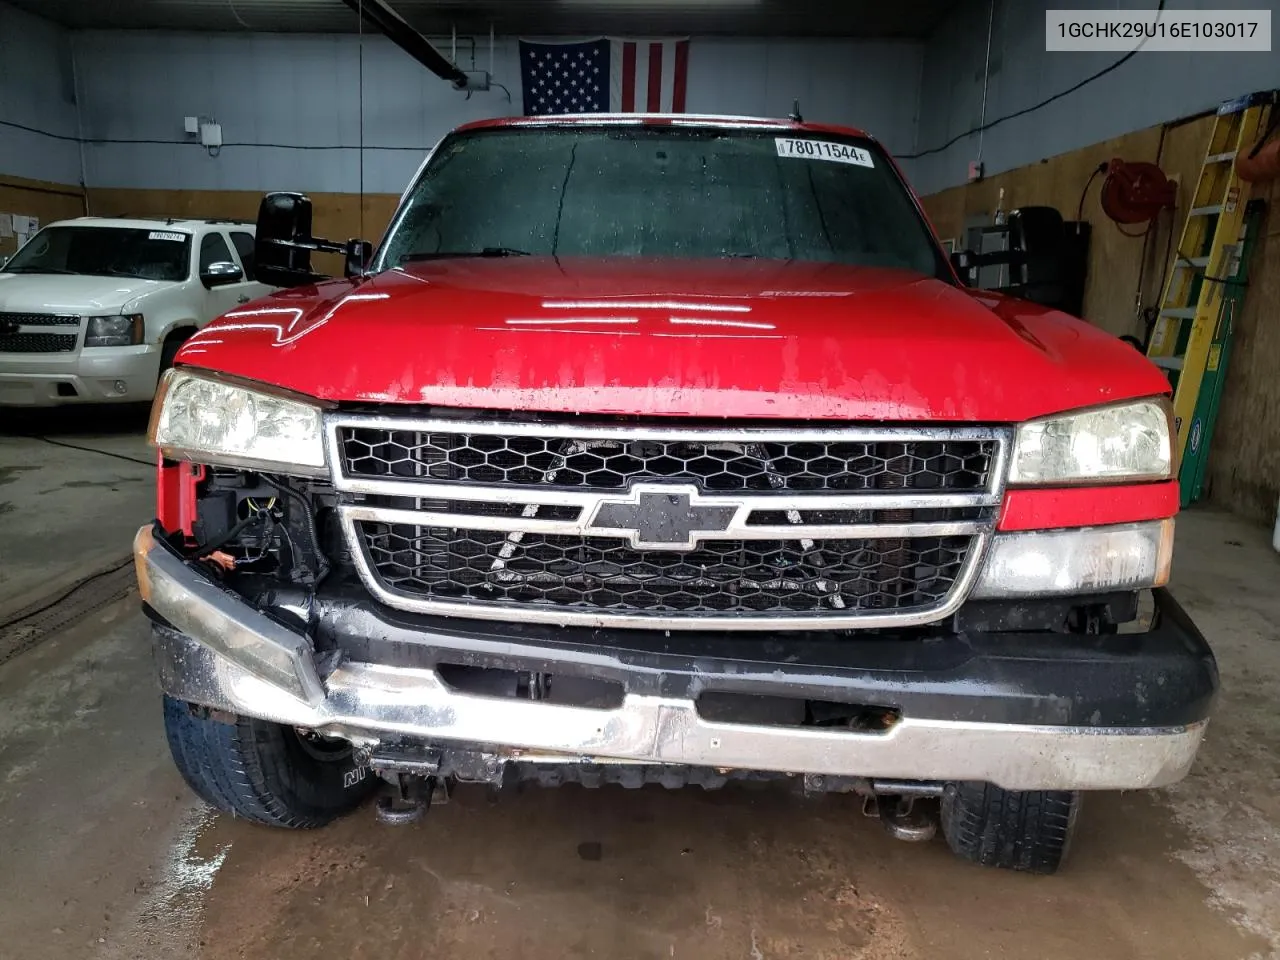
{"points": [[301, 93], [39, 176], [1151, 108]]}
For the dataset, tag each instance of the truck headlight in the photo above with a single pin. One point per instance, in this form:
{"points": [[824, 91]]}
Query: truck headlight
{"points": [[207, 419], [123, 331], [1124, 442], [1041, 563]]}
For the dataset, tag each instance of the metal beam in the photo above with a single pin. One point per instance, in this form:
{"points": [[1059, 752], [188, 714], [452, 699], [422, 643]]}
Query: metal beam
{"points": [[398, 31]]}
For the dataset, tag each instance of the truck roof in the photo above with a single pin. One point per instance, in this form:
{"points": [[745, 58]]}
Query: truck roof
{"points": [[667, 119], [146, 223]]}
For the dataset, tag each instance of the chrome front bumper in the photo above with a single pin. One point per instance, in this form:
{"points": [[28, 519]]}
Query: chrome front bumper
{"points": [[228, 656]]}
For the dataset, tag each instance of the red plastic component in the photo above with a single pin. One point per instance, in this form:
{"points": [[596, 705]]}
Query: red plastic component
{"points": [[176, 486], [1087, 506], [701, 338], [1136, 191]]}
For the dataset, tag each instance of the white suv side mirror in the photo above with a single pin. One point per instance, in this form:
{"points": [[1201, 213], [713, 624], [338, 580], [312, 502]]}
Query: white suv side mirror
{"points": [[221, 273]]}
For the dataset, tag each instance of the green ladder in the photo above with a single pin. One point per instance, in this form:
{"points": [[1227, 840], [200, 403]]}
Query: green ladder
{"points": [[1191, 339], [1195, 457]]}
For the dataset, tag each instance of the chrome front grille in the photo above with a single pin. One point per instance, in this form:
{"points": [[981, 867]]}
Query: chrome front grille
{"points": [[663, 526], [38, 333], [718, 577], [579, 459]]}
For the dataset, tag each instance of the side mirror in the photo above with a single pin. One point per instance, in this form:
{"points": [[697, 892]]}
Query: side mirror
{"points": [[1037, 232], [282, 243], [1038, 236], [359, 256], [220, 273]]}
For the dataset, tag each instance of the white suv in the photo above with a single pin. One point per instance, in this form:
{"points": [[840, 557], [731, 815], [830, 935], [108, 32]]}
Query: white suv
{"points": [[94, 309]]}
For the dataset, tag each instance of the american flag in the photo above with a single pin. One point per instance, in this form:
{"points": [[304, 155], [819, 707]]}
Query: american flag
{"points": [[604, 76]]}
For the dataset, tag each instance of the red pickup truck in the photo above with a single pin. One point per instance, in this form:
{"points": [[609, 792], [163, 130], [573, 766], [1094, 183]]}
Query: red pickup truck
{"points": [[666, 450]]}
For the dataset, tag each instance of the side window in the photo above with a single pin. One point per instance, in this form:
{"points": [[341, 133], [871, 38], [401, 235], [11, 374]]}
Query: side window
{"points": [[214, 249], [244, 247]]}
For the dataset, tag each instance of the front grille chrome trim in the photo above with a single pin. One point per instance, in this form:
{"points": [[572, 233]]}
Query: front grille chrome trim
{"points": [[585, 499], [738, 529], [531, 613]]}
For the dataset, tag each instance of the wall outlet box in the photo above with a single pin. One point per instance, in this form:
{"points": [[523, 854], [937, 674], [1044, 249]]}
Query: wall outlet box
{"points": [[975, 171], [211, 134], [191, 125]]}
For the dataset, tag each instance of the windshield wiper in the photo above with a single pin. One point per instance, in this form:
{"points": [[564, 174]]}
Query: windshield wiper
{"points": [[68, 273], [447, 254]]}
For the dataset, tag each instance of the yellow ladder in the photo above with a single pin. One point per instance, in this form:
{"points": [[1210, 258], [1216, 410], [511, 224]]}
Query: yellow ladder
{"points": [[1206, 257]]}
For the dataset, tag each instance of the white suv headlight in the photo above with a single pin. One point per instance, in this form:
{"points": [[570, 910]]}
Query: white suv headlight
{"points": [[209, 420], [1128, 441]]}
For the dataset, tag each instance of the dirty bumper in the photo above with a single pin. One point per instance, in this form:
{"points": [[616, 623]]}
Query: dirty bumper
{"points": [[950, 721]]}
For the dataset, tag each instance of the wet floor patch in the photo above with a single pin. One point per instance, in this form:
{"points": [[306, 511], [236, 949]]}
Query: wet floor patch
{"points": [[110, 482], [10, 473], [169, 919]]}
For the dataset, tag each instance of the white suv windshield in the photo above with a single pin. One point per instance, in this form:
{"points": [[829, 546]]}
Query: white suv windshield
{"points": [[148, 254], [666, 191]]}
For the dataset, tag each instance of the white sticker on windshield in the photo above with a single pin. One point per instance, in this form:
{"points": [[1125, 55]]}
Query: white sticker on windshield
{"points": [[823, 150], [166, 235]]}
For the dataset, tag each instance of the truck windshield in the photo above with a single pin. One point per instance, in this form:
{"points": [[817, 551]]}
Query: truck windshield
{"points": [[650, 191], [158, 254]]}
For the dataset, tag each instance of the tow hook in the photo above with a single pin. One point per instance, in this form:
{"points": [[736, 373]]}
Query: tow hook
{"points": [[413, 782], [405, 800], [908, 811]]}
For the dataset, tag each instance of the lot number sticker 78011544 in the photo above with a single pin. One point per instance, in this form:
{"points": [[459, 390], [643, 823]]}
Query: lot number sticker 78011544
{"points": [[823, 150]]}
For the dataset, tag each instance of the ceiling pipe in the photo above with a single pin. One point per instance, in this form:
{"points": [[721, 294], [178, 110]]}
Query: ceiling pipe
{"points": [[398, 31]]}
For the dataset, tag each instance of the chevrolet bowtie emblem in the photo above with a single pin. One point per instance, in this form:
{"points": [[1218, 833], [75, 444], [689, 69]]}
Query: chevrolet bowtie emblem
{"points": [[663, 517]]}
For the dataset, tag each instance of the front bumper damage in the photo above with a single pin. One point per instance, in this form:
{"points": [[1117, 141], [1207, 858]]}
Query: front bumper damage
{"points": [[1026, 711]]}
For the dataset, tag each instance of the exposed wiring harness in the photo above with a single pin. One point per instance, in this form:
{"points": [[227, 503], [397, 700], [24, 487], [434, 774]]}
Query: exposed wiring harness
{"points": [[308, 511]]}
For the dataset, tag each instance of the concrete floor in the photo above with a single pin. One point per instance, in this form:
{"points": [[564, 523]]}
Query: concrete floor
{"points": [[106, 855], [65, 513]]}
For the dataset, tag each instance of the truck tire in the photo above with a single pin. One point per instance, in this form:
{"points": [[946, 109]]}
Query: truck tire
{"points": [[263, 771], [1017, 830], [172, 344]]}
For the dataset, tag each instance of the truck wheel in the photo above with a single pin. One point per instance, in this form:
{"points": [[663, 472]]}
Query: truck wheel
{"points": [[262, 771], [172, 344], [1018, 830]]}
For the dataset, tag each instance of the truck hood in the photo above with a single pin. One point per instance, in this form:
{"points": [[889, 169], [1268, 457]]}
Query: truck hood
{"points": [[709, 338], [81, 295]]}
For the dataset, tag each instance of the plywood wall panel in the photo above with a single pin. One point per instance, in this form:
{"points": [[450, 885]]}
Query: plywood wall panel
{"points": [[36, 198], [1115, 261], [1244, 461]]}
